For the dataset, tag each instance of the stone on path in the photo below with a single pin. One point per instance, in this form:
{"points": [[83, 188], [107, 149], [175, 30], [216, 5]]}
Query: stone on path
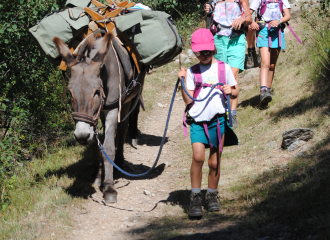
{"points": [[296, 134], [295, 145], [146, 192]]}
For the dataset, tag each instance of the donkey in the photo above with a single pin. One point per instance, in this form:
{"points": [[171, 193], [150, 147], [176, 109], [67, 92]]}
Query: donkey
{"points": [[101, 71]]}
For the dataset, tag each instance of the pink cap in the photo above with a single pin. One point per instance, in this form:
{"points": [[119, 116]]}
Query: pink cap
{"points": [[202, 40]]}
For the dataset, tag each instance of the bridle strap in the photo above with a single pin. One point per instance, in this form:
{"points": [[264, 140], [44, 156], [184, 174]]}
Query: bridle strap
{"points": [[88, 119]]}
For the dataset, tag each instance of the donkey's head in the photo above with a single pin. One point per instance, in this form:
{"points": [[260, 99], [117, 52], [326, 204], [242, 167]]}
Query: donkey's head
{"points": [[85, 85]]}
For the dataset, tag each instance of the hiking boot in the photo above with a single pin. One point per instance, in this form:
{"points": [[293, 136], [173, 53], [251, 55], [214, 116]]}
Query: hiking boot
{"points": [[252, 59], [234, 121], [265, 96], [249, 61], [212, 201], [195, 208]]}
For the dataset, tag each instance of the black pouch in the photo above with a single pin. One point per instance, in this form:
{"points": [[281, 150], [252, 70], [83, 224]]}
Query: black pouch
{"points": [[261, 24], [189, 119]]}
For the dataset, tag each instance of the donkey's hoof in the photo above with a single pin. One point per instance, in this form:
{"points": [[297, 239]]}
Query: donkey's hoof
{"points": [[110, 197], [97, 182], [134, 142]]}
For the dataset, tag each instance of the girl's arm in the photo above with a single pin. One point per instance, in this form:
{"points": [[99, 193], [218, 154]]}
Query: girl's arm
{"points": [[186, 99], [247, 19], [254, 25], [286, 17]]}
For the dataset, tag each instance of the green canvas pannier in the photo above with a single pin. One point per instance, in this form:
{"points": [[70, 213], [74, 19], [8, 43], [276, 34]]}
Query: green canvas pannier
{"points": [[153, 34], [60, 24]]}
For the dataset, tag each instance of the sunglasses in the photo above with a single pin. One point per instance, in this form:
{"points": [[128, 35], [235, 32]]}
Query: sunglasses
{"points": [[203, 53]]}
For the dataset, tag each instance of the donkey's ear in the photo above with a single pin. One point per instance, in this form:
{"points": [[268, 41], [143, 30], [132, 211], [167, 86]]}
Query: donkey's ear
{"points": [[103, 50], [63, 50]]}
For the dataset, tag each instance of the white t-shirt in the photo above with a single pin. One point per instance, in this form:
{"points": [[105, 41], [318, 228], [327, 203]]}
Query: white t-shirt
{"points": [[215, 103], [272, 12]]}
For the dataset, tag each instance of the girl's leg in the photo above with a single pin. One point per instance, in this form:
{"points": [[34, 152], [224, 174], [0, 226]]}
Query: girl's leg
{"points": [[234, 101], [274, 53], [214, 166], [195, 208], [212, 197], [197, 164], [265, 95], [265, 64]]}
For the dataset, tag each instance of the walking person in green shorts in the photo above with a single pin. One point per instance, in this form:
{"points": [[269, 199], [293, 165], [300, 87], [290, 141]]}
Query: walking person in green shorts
{"points": [[209, 126], [229, 39]]}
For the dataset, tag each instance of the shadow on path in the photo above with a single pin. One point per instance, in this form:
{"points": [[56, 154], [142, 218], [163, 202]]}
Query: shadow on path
{"points": [[290, 202]]}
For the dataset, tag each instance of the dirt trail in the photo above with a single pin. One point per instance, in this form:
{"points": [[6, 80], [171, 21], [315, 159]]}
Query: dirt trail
{"points": [[139, 200]]}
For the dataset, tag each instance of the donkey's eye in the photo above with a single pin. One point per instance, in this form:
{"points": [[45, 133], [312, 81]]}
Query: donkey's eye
{"points": [[97, 92]]}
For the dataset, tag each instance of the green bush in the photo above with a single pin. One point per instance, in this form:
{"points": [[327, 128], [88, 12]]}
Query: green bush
{"points": [[32, 112]]}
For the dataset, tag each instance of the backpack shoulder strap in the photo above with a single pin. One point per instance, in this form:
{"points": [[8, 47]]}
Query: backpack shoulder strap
{"points": [[262, 8], [221, 72], [198, 77]]}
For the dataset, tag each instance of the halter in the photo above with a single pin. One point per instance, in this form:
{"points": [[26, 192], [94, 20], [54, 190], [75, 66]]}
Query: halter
{"points": [[77, 116]]}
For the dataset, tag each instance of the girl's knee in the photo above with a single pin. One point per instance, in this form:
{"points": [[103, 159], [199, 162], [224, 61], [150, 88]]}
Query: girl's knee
{"points": [[214, 164], [198, 158], [272, 67], [265, 65]]}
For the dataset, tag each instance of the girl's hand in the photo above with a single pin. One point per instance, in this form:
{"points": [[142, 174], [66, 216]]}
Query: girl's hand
{"points": [[254, 26], [274, 23], [182, 73], [227, 89], [237, 23], [207, 8]]}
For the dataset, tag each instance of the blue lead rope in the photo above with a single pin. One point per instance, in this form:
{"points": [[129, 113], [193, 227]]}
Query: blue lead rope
{"points": [[161, 143], [200, 100]]}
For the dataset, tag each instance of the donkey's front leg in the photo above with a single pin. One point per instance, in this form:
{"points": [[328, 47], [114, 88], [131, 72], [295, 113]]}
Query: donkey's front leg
{"points": [[109, 192]]}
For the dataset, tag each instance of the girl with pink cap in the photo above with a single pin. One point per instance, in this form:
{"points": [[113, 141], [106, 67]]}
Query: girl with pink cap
{"points": [[229, 18], [209, 125]]}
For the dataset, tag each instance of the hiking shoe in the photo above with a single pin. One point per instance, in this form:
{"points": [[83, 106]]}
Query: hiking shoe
{"points": [[265, 96], [234, 121], [252, 60], [195, 208], [249, 61], [212, 201]]}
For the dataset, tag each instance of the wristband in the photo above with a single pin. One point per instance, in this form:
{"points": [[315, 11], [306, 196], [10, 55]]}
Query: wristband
{"points": [[279, 21]]}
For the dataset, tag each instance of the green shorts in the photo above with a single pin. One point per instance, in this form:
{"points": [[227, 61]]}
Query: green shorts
{"points": [[197, 133], [231, 51]]}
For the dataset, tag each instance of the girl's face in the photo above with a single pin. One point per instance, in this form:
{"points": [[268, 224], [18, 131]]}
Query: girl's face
{"points": [[205, 57]]}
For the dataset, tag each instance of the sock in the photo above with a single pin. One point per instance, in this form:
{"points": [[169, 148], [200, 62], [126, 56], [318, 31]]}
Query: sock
{"points": [[233, 112], [195, 190], [269, 89], [212, 190], [263, 88], [251, 49]]}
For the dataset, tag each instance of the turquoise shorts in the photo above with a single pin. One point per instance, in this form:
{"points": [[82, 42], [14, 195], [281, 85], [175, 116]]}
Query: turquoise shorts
{"points": [[231, 51], [263, 38], [197, 133]]}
